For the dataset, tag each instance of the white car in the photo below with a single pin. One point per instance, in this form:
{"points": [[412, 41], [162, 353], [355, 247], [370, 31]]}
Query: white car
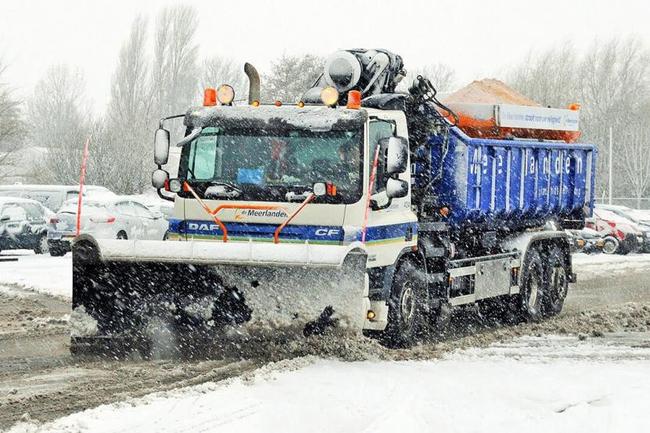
{"points": [[109, 217], [50, 196]]}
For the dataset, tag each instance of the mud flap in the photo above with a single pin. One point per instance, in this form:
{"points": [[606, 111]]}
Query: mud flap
{"points": [[121, 287]]}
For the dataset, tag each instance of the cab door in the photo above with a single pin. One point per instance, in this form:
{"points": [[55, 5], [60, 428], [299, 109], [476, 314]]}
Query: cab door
{"points": [[392, 225]]}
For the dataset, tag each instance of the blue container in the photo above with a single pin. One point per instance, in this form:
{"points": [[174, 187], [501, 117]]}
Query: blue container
{"points": [[511, 183]]}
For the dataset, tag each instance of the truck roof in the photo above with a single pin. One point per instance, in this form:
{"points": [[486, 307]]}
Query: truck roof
{"points": [[314, 118]]}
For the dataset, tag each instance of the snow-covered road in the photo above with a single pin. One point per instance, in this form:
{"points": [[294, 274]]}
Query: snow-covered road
{"points": [[533, 384], [566, 374]]}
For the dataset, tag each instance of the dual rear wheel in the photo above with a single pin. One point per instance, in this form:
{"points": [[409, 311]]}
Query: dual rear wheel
{"points": [[544, 284], [543, 288]]}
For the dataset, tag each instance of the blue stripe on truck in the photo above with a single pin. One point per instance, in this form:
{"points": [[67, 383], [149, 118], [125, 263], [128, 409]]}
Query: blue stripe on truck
{"points": [[324, 234]]}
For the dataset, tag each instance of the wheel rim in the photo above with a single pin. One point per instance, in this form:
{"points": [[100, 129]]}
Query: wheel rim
{"points": [[43, 245], [406, 304], [609, 247]]}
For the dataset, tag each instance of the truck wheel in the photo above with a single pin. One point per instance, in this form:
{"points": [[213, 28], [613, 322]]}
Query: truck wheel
{"points": [[122, 236], [610, 245], [405, 307], [531, 292], [557, 282]]}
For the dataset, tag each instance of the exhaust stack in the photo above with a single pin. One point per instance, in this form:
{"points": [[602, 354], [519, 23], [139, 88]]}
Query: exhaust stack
{"points": [[253, 82]]}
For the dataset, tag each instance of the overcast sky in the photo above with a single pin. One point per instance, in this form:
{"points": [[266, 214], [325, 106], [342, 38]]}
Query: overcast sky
{"points": [[476, 38]]}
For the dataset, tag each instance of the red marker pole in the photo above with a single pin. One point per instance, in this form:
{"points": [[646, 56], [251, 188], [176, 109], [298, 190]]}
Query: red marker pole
{"points": [[82, 178]]}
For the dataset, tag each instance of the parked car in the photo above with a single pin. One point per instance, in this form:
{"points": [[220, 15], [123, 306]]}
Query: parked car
{"points": [[23, 224], [639, 218], [629, 237], [105, 217], [50, 196], [588, 241]]}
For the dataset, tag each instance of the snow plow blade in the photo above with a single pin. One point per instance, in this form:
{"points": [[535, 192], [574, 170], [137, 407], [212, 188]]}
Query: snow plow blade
{"points": [[123, 289]]}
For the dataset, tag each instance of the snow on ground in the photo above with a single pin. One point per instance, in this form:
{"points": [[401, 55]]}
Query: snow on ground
{"points": [[41, 273], [592, 386], [53, 275], [594, 265]]}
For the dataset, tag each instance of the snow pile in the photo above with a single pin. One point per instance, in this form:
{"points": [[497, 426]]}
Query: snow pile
{"points": [[589, 266], [508, 390], [41, 273]]}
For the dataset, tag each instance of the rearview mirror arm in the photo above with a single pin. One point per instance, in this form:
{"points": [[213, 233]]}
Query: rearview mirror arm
{"points": [[163, 196], [175, 116]]}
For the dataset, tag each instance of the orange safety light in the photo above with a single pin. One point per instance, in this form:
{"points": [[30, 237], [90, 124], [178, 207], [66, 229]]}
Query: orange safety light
{"points": [[209, 97], [255, 103], [330, 188], [354, 99], [278, 103], [444, 211], [574, 107], [300, 104]]}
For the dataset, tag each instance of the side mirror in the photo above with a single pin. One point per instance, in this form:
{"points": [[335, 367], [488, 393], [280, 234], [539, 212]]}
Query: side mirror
{"points": [[397, 158], [319, 189], [396, 188], [159, 178], [161, 147]]}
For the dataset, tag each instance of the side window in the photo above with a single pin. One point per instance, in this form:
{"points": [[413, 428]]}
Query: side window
{"points": [[142, 211], [33, 212], [125, 208], [379, 129], [203, 155], [14, 212]]}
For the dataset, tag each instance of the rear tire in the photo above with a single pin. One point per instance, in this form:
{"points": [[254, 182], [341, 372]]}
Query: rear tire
{"points": [[557, 282], [121, 235], [406, 315], [531, 292]]}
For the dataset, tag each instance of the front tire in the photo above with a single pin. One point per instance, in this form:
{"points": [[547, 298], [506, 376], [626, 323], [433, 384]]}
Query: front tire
{"points": [[531, 292], [406, 307], [121, 235]]}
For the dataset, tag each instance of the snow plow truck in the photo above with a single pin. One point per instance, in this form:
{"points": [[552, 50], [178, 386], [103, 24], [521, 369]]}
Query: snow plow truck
{"points": [[358, 209]]}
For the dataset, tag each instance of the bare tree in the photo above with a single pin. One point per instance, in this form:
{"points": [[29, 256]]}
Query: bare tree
{"points": [[614, 85], [635, 165], [60, 123], [175, 71], [291, 76], [12, 127], [218, 70], [126, 132], [441, 76], [550, 77]]}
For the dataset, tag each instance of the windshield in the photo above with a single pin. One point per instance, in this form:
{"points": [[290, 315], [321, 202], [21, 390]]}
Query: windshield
{"points": [[266, 165]]}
